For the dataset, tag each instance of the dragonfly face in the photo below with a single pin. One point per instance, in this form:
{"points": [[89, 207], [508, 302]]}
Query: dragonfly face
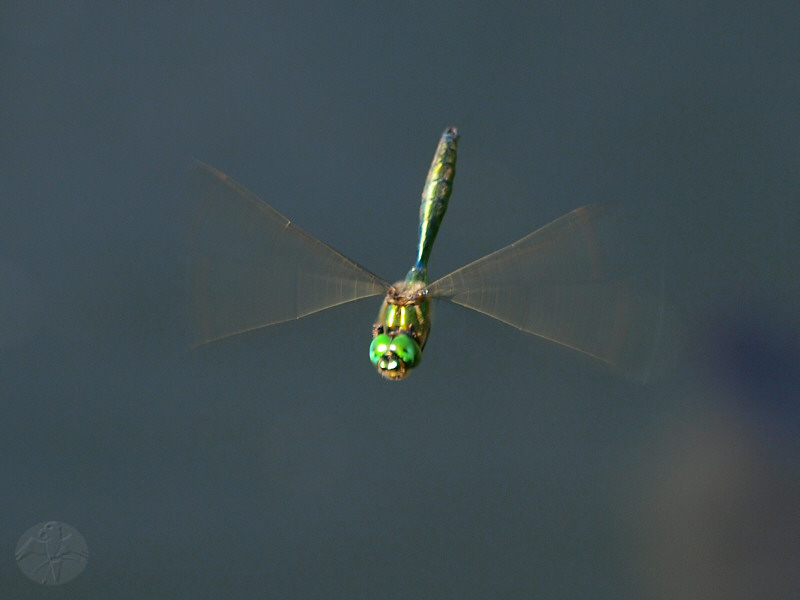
{"points": [[401, 330], [394, 356]]}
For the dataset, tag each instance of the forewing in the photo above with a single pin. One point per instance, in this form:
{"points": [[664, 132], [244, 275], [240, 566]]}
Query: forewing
{"points": [[553, 283], [251, 267]]}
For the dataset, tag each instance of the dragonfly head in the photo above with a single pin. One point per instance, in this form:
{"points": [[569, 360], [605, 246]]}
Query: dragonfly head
{"points": [[394, 356]]}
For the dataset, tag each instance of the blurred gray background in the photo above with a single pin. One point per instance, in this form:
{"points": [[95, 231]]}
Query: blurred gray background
{"points": [[280, 465]]}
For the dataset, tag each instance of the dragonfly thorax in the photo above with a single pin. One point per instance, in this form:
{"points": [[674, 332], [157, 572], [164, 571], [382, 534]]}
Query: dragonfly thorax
{"points": [[407, 292], [401, 329]]}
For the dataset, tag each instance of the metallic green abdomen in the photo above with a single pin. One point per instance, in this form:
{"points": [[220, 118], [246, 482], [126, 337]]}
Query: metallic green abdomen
{"points": [[435, 197]]}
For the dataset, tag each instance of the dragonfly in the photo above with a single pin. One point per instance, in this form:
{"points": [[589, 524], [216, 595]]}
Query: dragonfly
{"points": [[252, 268]]}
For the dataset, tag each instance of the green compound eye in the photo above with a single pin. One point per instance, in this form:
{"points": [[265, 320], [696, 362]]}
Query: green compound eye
{"points": [[406, 349], [379, 347]]}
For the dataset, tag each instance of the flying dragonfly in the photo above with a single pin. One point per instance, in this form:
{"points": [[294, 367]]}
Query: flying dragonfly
{"points": [[252, 267]]}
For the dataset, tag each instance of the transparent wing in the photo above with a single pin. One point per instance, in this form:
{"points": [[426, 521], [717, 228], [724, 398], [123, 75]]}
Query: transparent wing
{"points": [[251, 267], [553, 283]]}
